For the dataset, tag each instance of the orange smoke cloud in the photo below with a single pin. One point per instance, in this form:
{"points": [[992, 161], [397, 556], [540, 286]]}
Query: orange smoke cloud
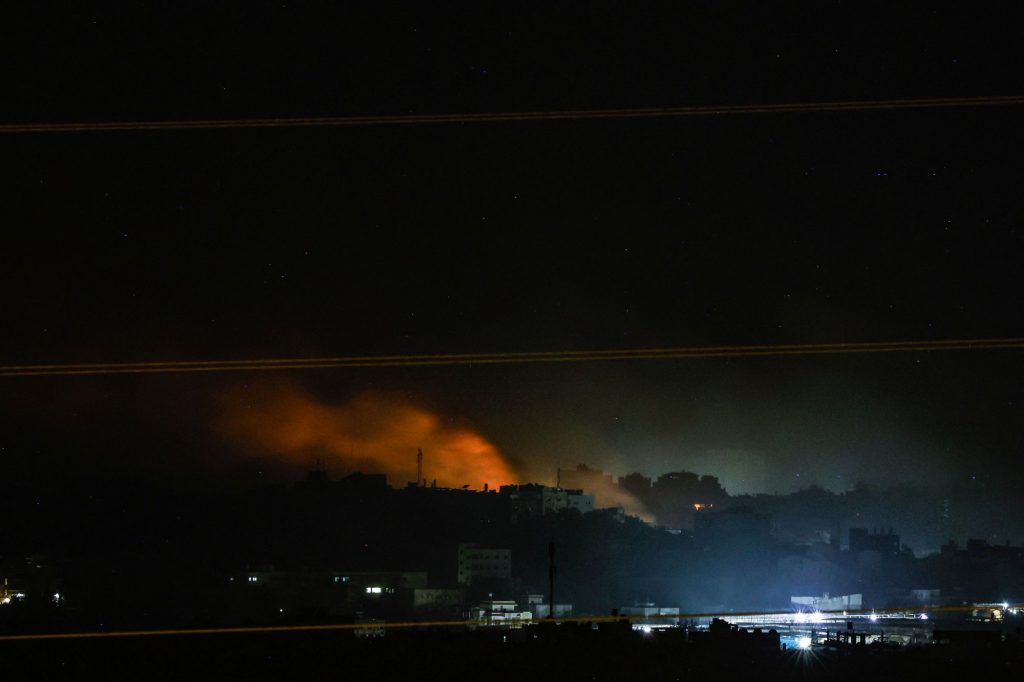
{"points": [[373, 433]]}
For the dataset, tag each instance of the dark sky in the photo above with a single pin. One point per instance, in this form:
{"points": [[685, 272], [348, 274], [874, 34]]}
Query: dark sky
{"points": [[789, 228]]}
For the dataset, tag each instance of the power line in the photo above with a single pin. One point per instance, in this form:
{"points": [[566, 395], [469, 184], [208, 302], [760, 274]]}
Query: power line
{"points": [[961, 608], [512, 116], [695, 352]]}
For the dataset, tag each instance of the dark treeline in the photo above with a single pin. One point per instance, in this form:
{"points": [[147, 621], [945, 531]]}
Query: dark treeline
{"points": [[925, 517]]}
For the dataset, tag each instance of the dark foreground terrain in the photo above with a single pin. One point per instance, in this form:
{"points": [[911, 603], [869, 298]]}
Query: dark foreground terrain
{"points": [[565, 652]]}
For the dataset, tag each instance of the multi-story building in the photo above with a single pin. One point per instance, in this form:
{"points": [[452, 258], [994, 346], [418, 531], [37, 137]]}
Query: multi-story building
{"points": [[576, 499], [534, 499], [438, 599], [477, 562], [826, 602], [499, 612]]}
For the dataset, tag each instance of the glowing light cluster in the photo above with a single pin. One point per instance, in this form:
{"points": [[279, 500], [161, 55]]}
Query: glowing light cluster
{"points": [[814, 617]]}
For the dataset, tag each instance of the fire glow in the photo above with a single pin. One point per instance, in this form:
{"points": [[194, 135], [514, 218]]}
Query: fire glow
{"points": [[373, 433]]}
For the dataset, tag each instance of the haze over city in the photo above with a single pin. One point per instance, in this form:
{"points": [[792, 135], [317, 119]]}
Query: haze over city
{"points": [[515, 330]]}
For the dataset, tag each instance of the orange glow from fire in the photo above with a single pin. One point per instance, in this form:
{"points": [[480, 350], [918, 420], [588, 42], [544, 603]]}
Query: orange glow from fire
{"points": [[373, 433]]}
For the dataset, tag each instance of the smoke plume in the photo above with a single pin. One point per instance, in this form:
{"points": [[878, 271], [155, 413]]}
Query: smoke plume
{"points": [[373, 432]]}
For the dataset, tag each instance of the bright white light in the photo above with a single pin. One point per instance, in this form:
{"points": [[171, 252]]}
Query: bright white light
{"points": [[373, 590], [800, 617], [817, 617], [804, 642], [874, 617], [1005, 606], [924, 616], [646, 629]]}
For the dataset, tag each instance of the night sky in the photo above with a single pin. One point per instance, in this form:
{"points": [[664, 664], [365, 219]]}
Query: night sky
{"points": [[526, 236]]}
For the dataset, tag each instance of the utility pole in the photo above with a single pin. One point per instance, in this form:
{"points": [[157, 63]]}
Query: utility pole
{"points": [[551, 579], [419, 467]]}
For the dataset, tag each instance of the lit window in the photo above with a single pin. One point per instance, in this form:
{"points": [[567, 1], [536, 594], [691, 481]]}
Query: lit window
{"points": [[373, 590]]}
